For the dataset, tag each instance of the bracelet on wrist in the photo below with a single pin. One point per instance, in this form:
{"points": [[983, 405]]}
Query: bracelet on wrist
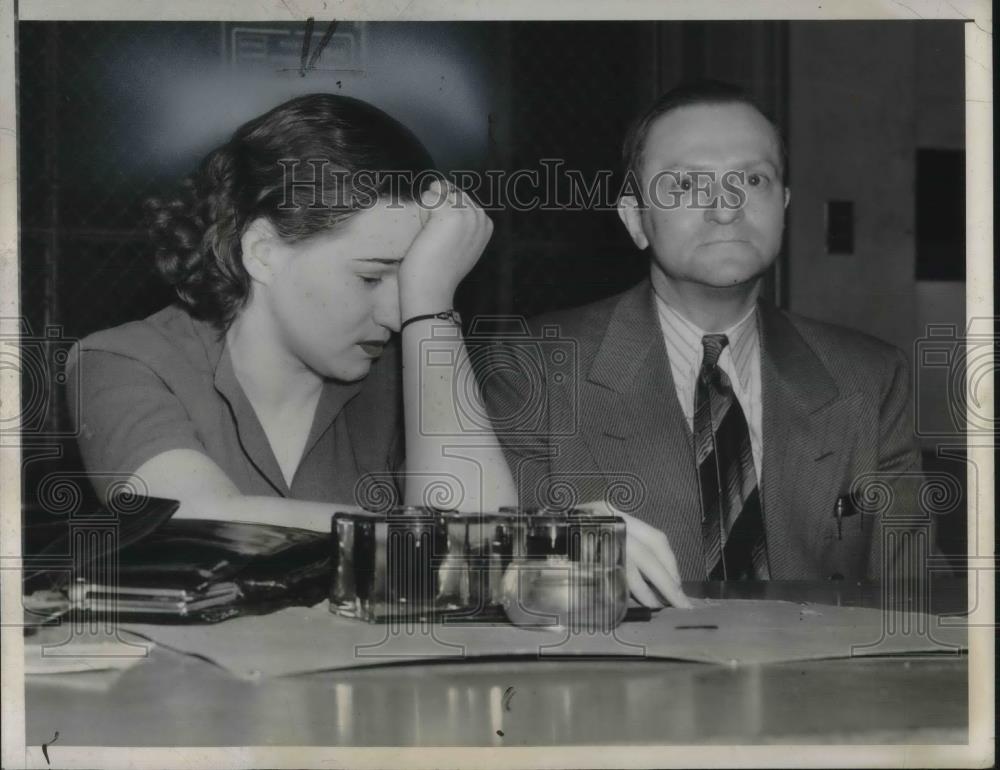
{"points": [[447, 315]]}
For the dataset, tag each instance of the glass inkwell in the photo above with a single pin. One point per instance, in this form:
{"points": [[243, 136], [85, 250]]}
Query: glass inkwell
{"points": [[532, 567]]}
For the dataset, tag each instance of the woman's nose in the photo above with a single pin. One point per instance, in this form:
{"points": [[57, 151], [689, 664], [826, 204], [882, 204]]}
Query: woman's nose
{"points": [[386, 312]]}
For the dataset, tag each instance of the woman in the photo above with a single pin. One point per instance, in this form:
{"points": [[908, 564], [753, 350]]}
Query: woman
{"points": [[271, 391]]}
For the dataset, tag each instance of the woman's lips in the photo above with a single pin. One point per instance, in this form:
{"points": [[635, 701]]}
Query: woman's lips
{"points": [[372, 349]]}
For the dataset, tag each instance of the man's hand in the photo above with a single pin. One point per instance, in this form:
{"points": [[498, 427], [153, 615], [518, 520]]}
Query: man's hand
{"points": [[651, 559], [650, 563]]}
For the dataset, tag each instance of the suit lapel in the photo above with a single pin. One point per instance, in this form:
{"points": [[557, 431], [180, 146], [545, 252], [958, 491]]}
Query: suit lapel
{"points": [[806, 425], [632, 423]]}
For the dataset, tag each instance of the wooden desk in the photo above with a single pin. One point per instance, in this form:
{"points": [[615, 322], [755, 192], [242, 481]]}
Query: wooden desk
{"points": [[176, 700]]}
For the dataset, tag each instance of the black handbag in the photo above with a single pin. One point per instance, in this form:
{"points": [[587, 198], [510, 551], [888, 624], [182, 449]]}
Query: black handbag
{"points": [[163, 570]]}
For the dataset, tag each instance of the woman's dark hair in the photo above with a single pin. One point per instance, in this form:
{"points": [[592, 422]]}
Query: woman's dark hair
{"points": [[306, 165]]}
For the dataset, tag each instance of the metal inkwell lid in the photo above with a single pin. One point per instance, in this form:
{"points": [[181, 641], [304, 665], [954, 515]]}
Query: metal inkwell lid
{"points": [[534, 567]]}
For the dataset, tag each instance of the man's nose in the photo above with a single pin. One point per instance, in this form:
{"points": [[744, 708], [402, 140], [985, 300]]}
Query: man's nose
{"points": [[724, 212], [724, 208]]}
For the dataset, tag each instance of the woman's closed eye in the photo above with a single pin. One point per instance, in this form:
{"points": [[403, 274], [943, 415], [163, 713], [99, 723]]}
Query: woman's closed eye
{"points": [[372, 271]]}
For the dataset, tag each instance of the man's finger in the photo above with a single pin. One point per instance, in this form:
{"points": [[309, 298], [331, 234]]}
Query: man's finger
{"points": [[658, 544], [671, 564], [660, 548], [601, 508], [638, 588], [651, 568]]}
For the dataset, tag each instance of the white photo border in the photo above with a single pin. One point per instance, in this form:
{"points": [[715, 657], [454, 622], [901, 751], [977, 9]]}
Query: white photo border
{"points": [[979, 282]]}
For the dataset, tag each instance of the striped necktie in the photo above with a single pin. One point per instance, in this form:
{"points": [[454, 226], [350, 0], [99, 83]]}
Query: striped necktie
{"points": [[732, 520]]}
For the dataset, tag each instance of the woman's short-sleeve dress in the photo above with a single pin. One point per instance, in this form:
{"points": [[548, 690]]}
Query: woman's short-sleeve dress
{"points": [[167, 382]]}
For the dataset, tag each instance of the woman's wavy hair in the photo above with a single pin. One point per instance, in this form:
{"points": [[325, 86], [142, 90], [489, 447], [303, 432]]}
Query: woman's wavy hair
{"points": [[306, 166]]}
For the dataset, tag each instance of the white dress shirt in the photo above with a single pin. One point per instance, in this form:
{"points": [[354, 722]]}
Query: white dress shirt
{"points": [[740, 360]]}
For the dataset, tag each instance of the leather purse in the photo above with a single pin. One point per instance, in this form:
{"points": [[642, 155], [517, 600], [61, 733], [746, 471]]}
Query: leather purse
{"points": [[163, 570]]}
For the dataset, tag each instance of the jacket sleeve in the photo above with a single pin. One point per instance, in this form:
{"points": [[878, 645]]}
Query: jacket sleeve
{"points": [[513, 381], [905, 534]]}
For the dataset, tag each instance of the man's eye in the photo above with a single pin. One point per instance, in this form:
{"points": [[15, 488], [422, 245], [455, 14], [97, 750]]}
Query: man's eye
{"points": [[369, 280], [757, 180], [685, 184]]}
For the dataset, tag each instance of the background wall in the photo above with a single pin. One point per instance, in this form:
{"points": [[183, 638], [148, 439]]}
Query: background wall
{"points": [[862, 99]]}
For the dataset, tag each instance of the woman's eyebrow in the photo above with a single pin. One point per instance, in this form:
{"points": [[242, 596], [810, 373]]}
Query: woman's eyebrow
{"points": [[379, 260]]}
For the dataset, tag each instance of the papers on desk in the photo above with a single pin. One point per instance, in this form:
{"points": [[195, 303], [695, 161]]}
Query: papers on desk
{"points": [[70, 648], [57, 643], [304, 639]]}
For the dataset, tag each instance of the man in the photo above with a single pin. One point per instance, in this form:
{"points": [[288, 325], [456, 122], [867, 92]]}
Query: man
{"points": [[745, 434]]}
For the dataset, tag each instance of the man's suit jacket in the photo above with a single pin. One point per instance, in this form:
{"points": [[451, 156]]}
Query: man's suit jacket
{"points": [[837, 420]]}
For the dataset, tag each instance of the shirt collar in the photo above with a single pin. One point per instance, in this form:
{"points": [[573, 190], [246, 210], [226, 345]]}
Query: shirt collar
{"points": [[741, 334]]}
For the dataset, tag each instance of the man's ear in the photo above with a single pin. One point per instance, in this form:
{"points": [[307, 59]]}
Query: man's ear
{"points": [[628, 212], [788, 196], [261, 250]]}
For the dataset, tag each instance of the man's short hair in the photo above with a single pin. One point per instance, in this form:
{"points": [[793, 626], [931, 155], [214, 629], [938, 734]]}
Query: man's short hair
{"points": [[687, 95]]}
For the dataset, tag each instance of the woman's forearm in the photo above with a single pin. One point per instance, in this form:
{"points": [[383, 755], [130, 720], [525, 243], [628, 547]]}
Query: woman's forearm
{"points": [[206, 492], [262, 510], [451, 450]]}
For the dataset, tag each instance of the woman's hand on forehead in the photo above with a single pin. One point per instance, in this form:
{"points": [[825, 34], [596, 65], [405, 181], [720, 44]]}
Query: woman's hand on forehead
{"points": [[454, 234]]}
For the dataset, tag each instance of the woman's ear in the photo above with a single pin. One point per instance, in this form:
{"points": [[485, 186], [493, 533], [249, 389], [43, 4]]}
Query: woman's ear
{"points": [[262, 252], [628, 212]]}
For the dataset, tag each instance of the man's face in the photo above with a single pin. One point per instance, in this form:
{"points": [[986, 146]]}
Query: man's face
{"points": [[715, 198]]}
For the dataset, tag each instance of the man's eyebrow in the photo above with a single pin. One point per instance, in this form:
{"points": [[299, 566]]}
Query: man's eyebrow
{"points": [[695, 166], [763, 162]]}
